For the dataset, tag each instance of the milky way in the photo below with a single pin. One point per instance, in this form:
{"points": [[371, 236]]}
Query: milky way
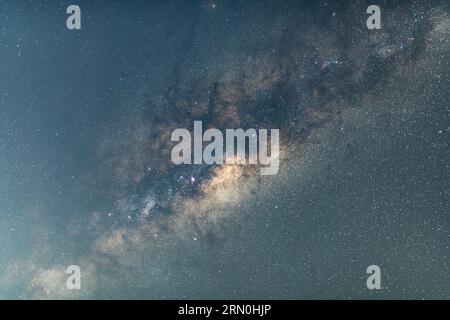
{"points": [[87, 179]]}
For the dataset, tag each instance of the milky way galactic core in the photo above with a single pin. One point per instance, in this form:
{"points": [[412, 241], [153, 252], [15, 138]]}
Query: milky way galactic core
{"points": [[208, 149]]}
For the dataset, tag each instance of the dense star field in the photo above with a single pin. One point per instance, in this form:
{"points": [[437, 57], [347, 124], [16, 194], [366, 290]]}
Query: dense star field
{"points": [[86, 176]]}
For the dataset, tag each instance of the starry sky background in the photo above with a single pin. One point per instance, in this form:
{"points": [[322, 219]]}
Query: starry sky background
{"points": [[85, 171]]}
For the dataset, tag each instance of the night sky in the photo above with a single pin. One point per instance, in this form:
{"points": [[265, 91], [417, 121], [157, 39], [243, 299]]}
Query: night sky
{"points": [[85, 171]]}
